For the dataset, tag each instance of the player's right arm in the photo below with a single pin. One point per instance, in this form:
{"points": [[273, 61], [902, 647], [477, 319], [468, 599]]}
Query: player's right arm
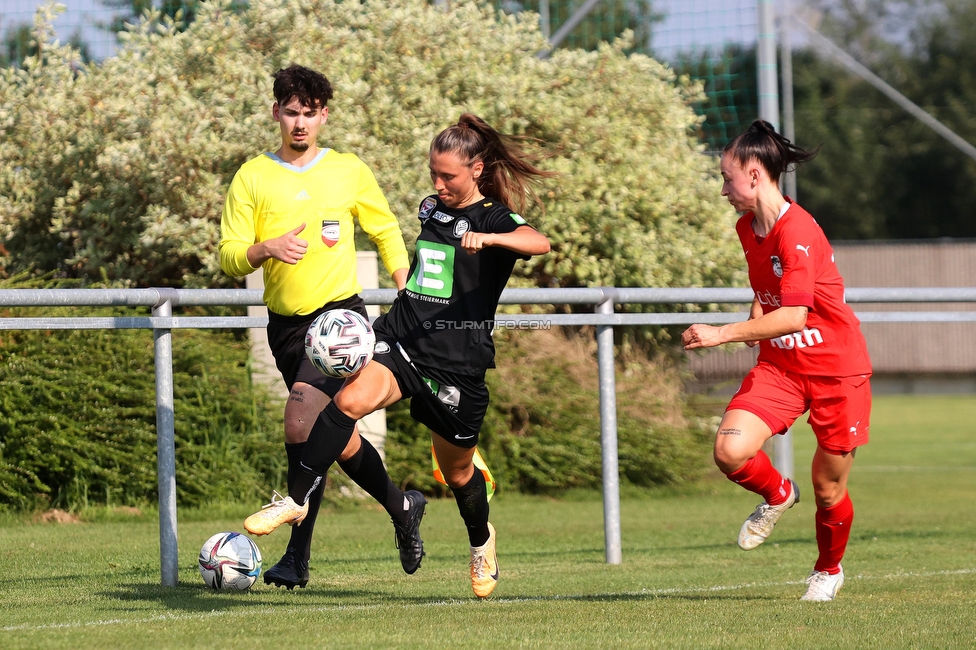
{"points": [[780, 321], [237, 229], [289, 248]]}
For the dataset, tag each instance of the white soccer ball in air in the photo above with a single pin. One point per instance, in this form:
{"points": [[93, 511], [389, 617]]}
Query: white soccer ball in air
{"points": [[230, 561], [340, 343]]}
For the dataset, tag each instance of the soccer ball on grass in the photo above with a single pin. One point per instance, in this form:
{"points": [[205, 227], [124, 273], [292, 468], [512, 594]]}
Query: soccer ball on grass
{"points": [[230, 561], [340, 343]]}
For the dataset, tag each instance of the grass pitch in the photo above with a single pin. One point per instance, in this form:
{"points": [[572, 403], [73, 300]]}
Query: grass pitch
{"points": [[911, 568]]}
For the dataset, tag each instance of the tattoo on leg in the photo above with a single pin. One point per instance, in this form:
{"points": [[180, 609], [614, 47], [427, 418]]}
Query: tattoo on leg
{"points": [[730, 432], [297, 396]]}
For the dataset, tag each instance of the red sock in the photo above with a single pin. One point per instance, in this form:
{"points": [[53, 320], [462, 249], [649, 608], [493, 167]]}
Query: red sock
{"points": [[759, 476], [833, 531]]}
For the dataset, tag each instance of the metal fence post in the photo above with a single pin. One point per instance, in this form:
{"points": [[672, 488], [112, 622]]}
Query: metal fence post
{"points": [[166, 439], [783, 448], [608, 431], [766, 62]]}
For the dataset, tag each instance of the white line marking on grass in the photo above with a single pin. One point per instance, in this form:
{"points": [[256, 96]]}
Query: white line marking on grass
{"points": [[718, 588], [914, 469], [469, 602]]}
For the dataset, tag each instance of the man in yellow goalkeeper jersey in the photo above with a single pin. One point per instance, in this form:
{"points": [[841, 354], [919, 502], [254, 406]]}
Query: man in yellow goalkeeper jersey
{"points": [[291, 214]]}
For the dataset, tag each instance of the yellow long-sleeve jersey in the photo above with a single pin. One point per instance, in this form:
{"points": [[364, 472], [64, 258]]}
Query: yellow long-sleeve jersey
{"points": [[269, 198]]}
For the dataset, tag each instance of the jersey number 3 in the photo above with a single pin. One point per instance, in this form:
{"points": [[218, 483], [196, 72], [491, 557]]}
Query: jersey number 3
{"points": [[434, 273]]}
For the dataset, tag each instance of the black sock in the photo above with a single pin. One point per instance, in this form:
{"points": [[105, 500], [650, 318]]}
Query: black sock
{"points": [[472, 503], [367, 470], [301, 536], [329, 436], [293, 451]]}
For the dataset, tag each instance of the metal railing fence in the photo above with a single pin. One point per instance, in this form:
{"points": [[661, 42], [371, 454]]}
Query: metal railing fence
{"points": [[603, 301]]}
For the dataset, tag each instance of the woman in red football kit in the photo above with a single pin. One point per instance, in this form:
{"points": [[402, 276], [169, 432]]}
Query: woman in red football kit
{"points": [[812, 355]]}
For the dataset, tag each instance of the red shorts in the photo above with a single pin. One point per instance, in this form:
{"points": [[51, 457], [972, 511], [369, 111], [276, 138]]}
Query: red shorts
{"points": [[840, 407]]}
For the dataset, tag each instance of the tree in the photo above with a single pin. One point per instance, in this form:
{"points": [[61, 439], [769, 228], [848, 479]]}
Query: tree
{"points": [[881, 173], [17, 46], [606, 22], [842, 186], [133, 11], [935, 184]]}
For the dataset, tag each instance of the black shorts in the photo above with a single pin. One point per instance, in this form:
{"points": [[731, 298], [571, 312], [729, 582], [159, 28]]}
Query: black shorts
{"points": [[286, 337], [451, 405]]}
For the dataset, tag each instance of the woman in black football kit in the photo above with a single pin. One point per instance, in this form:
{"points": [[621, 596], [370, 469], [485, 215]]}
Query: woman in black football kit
{"points": [[435, 345]]}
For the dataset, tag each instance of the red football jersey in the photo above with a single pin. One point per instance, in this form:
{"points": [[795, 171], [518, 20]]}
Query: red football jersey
{"points": [[794, 266]]}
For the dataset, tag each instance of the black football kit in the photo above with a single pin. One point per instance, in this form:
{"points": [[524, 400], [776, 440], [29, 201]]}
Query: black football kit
{"points": [[436, 338]]}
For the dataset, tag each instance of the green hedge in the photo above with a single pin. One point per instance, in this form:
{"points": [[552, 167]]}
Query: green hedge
{"points": [[78, 420]]}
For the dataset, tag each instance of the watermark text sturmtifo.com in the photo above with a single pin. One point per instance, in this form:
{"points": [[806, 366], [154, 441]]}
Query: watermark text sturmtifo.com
{"points": [[499, 323]]}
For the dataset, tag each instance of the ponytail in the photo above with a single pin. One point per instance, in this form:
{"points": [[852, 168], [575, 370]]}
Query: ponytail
{"points": [[776, 154], [509, 171]]}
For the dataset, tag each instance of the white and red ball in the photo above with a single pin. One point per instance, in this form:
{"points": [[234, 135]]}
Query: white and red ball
{"points": [[340, 343], [230, 561]]}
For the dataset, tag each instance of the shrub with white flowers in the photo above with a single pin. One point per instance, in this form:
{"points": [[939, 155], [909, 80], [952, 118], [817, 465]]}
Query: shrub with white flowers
{"points": [[116, 171]]}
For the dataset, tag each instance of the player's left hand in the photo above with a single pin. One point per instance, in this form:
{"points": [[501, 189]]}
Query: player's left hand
{"points": [[472, 242]]}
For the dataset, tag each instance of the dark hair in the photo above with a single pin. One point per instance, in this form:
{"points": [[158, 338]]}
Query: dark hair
{"points": [[774, 152], [310, 87], [509, 170]]}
